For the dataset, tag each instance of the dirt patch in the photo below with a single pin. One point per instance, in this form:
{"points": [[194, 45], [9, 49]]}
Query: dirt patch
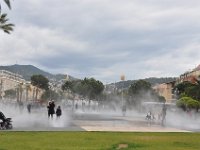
{"points": [[122, 146]]}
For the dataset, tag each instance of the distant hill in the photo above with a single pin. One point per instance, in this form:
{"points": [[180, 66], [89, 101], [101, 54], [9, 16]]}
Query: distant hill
{"points": [[28, 70], [153, 81]]}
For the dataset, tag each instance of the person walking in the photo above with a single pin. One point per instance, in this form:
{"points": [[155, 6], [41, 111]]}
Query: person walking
{"points": [[58, 112], [164, 112], [29, 108]]}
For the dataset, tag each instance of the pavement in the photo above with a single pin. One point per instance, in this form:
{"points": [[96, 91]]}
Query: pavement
{"points": [[96, 122], [92, 121]]}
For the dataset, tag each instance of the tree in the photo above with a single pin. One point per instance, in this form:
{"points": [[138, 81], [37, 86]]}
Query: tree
{"points": [[141, 91], [182, 87], [67, 86], [139, 87], [40, 82], [88, 88], [19, 91], [6, 27], [28, 88], [189, 89], [7, 2], [92, 88], [188, 103]]}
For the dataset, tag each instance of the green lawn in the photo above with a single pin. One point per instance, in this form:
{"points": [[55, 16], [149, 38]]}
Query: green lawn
{"points": [[98, 141]]}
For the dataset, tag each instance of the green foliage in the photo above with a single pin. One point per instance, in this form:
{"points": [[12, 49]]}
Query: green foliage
{"points": [[193, 91], [90, 88], [182, 87], [6, 27], [98, 141], [40, 81], [139, 87], [189, 89], [193, 104], [142, 91], [188, 102], [183, 95], [67, 86]]}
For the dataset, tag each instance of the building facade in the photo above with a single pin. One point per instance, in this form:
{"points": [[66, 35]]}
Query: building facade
{"points": [[166, 90], [23, 89], [190, 76]]}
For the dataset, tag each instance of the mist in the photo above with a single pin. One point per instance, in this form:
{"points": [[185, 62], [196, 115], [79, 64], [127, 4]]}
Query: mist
{"points": [[109, 113], [36, 120]]}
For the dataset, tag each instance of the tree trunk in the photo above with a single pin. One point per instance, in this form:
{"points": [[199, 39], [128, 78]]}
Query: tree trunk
{"points": [[20, 95], [26, 93], [36, 94], [17, 94], [33, 96]]}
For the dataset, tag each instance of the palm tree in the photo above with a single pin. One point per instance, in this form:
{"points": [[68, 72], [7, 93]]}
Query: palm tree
{"points": [[7, 3], [6, 27], [28, 88]]}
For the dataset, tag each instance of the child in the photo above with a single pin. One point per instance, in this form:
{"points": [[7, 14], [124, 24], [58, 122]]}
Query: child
{"points": [[58, 112]]}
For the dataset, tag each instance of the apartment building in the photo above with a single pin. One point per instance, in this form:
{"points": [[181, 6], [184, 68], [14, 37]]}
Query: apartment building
{"points": [[190, 76], [166, 90], [24, 90]]}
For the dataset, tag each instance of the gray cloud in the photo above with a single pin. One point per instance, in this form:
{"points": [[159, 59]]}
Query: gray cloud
{"points": [[105, 38]]}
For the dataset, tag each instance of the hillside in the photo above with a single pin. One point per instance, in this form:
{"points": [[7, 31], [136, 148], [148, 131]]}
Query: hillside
{"points": [[153, 81], [28, 70]]}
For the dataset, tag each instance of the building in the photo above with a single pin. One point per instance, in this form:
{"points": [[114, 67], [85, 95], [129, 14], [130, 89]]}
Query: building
{"points": [[190, 76], [8, 80], [12, 81], [166, 90]]}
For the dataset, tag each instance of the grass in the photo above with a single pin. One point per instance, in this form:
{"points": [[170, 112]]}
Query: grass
{"points": [[98, 141]]}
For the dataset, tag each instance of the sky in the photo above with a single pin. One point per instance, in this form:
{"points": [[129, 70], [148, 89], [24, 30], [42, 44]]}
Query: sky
{"points": [[104, 39]]}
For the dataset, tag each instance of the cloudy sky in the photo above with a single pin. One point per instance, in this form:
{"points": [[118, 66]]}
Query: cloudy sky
{"points": [[104, 38]]}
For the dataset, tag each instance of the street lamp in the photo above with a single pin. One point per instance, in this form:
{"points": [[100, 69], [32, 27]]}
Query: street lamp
{"points": [[122, 77]]}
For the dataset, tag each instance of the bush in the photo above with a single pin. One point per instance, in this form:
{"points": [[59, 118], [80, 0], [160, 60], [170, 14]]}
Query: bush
{"points": [[188, 102]]}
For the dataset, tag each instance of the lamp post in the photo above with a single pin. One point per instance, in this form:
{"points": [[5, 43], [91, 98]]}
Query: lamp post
{"points": [[122, 77]]}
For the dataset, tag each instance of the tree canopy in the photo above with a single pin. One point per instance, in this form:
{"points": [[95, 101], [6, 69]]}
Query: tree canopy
{"points": [[189, 89], [188, 103], [141, 91], [89, 87], [40, 81], [139, 87]]}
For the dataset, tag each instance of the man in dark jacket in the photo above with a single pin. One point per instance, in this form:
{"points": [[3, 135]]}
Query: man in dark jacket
{"points": [[50, 108]]}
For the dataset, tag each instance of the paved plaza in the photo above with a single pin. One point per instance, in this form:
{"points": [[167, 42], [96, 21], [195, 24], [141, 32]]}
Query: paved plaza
{"points": [[92, 121]]}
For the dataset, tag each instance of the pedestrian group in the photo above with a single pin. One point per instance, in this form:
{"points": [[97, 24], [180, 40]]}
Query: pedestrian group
{"points": [[51, 110]]}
